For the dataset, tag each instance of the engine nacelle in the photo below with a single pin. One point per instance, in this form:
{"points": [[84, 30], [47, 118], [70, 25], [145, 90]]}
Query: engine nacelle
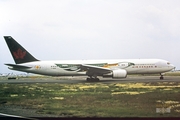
{"points": [[119, 73]]}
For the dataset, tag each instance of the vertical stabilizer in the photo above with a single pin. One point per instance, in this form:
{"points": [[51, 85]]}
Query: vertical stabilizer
{"points": [[20, 54]]}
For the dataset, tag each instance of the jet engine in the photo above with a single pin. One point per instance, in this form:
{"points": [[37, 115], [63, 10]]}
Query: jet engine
{"points": [[118, 73]]}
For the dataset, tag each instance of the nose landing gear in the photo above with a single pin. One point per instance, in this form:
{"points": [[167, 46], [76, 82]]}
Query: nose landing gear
{"points": [[161, 77]]}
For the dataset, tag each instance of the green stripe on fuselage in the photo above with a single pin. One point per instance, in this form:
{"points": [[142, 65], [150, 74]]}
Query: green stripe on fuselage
{"points": [[77, 65]]}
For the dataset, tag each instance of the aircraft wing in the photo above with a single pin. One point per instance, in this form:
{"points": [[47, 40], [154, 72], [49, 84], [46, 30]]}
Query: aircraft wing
{"points": [[18, 66], [94, 69]]}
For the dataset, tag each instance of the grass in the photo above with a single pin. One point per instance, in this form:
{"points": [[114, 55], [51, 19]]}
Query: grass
{"points": [[95, 99], [173, 73], [177, 73]]}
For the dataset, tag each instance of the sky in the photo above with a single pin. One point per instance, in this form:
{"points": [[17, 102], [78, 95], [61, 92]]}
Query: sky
{"points": [[91, 29]]}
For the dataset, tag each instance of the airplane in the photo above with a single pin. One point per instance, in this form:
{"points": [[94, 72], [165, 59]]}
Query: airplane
{"points": [[115, 68]]}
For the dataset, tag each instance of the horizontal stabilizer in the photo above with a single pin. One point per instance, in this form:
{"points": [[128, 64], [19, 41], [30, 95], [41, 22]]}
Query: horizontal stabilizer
{"points": [[18, 66]]}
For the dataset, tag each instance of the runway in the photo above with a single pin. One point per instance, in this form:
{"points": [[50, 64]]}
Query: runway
{"points": [[74, 80]]}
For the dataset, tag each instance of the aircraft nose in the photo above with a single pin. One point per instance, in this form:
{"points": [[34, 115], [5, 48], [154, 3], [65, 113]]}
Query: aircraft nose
{"points": [[172, 67]]}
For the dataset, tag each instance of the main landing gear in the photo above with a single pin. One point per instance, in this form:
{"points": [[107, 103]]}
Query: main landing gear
{"points": [[91, 79], [161, 77]]}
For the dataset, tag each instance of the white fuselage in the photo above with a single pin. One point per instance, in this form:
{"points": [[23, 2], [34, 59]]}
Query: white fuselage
{"points": [[141, 66]]}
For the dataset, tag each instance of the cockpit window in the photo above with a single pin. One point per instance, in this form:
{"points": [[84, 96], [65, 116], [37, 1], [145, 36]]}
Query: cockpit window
{"points": [[168, 63]]}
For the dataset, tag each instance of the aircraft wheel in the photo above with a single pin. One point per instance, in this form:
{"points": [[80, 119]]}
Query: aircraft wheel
{"points": [[161, 78], [92, 79], [88, 79], [97, 79]]}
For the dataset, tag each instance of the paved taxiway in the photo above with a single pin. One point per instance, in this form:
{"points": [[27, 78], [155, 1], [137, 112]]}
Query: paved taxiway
{"points": [[70, 80]]}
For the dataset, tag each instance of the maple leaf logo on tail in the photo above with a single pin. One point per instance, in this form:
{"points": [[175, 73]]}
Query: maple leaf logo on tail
{"points": [[19, 54]]}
